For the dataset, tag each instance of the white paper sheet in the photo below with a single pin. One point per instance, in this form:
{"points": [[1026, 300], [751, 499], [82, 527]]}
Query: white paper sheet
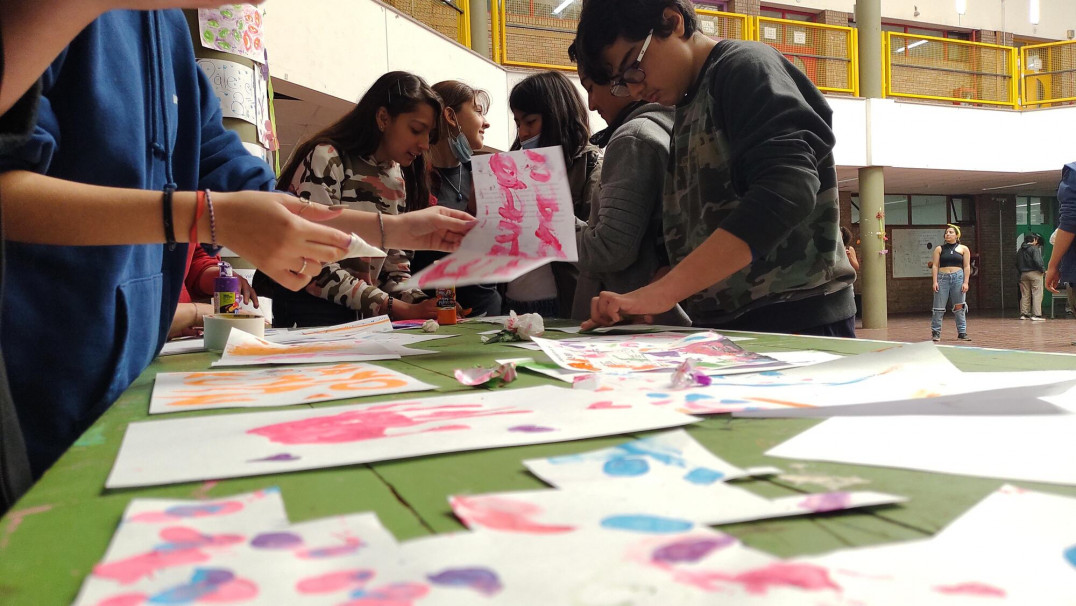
{"points": [[366, 326], [247, 350], [525, 218], [255, 559], [179, 391], [668, 458], [225, 446], [638, 506], [1033, 448]]}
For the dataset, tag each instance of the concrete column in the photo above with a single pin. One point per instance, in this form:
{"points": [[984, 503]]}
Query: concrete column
{"points": [[871, 180], [871, 263], [479, 11]]}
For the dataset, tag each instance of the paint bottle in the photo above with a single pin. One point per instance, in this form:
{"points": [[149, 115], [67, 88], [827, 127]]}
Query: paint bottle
{"points": [[446, 306], [225, 291]]}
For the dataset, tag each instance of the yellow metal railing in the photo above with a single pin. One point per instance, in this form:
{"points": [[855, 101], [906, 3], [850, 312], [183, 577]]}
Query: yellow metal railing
{"points": [[943, 69], [533, 35], [451, 18], [717, 24], [1048, 73], [536, 34], [826, 53]]}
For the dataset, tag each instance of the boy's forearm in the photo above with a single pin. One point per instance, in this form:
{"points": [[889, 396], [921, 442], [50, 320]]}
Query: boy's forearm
{"points": [[1061, 246], [720, 256]]}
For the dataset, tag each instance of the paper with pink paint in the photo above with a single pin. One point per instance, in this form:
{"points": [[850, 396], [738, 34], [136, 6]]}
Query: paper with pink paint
{"points": [[593, 567], [244, 349], [526, 219], [233, 28], [240, 561], [227, 446], [637, 505], [904, 379], [712, 352], [667, 458], [286, 386]]}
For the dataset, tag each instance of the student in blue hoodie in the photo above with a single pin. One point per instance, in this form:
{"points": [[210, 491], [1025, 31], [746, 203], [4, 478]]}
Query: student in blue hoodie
{"points": [[124, 112], [32, 28]]}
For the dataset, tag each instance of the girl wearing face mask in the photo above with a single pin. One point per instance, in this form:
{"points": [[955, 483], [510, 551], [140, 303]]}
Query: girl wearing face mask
{"points": [[371, 159], [549, 111], [462, 126]]}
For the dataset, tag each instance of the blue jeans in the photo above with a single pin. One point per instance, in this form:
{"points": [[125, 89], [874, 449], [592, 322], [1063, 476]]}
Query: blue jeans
{"points": [[949, 291]]}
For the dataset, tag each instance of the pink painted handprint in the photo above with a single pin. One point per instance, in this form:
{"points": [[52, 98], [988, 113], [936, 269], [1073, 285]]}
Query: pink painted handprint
{"points": [[374, 422]]}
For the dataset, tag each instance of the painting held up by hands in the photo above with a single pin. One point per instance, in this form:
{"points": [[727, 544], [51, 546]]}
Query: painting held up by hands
{"points": [[525, 220]]}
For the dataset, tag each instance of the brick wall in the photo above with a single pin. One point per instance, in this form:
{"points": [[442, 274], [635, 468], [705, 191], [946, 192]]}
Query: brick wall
{"points": [[997, 235], [991, 240]]}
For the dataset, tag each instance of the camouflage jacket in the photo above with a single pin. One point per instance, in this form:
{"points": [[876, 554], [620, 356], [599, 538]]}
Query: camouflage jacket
{"points": [[326, 177], [752, 154]]}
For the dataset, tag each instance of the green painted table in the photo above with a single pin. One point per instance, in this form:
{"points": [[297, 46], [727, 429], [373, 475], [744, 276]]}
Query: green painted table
{"points": [[53, 536]]}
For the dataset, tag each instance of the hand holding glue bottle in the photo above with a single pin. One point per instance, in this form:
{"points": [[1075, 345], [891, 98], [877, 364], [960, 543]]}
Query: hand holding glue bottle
{"points": [[226, 297], [226, 301]]}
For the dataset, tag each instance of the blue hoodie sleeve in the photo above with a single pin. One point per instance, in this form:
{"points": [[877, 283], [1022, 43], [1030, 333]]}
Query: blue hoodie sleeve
{"points": [[226, 165], [1066, 195], [33, 150]]}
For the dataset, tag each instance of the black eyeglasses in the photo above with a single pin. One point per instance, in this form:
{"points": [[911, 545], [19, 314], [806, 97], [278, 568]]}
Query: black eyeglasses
{"points": [[634, 74]]}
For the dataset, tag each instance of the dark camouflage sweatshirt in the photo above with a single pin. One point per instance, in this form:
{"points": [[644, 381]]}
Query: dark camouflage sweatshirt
{"points": [[752, 153]]}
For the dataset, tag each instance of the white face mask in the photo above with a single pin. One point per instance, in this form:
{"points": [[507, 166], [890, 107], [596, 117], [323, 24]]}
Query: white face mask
{"points": [[530, 143]]}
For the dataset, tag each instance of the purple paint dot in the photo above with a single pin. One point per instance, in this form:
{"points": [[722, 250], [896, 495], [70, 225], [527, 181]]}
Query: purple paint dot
{"points": [[826, 501], [691, 550], [276, 540], [277, 457], [530, 428], [213, 576], [482, 580]]}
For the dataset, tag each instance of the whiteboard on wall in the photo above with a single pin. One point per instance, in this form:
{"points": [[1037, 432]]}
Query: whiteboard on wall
{"points": [[912, 248]]}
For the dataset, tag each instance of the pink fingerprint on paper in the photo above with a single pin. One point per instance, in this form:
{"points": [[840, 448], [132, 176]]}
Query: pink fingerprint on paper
{"points": [[972, 589], [499, 513], [826, 501], [760, 580]]}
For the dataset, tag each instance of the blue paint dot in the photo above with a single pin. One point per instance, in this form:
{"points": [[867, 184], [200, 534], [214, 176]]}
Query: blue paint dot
{"points": [[702, 475], [770, 373], [1070, 555], [733, 401], [625, 467], [646, 523], [657, 395], [695, 397]]}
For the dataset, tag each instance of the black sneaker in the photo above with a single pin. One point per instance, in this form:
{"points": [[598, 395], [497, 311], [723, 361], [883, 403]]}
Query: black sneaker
{"points": [[963, 336], [935, 336]]}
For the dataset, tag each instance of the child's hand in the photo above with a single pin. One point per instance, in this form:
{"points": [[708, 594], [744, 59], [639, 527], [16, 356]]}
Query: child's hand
{"points": [[636, 307]]}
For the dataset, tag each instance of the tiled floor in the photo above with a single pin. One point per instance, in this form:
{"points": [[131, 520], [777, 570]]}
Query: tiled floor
{"points": [[986, 330]]}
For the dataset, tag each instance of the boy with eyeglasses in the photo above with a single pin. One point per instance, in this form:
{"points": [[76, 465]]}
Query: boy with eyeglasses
{"points": [[750, 200]]}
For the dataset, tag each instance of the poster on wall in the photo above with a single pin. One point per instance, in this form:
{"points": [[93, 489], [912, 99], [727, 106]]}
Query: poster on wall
{"points": [[264, 119], [235, 86], [912, 249], [232, 28]]}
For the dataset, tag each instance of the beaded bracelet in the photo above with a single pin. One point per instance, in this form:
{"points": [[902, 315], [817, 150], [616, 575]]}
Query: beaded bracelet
{"points": [[166, 216], [199, 210], [214, 248]]}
